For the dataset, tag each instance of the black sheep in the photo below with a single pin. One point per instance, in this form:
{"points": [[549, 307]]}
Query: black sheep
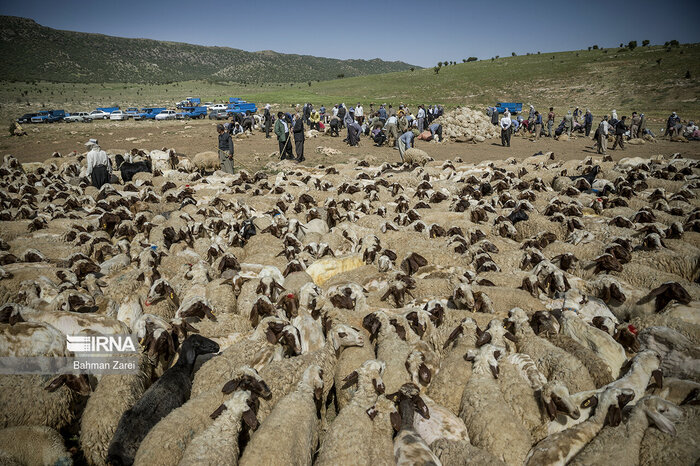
{"points": [[129, 169], [590, 176], [169, 392]]}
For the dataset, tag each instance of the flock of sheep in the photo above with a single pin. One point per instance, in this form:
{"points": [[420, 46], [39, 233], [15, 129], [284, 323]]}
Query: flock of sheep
{"points": [[516, 311]]}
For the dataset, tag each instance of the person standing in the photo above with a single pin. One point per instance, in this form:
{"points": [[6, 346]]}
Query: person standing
{"points": [[359, 114], [299, 138], [225, 149], [506, 128], [322, 113], [538, 125], [335, 110], [550, 121], [620, 129], [382, 114], [568, 123], [307, 112], [282, 133], [268, 121], [603, 135], [642, 126], [99, 167], [391, 130], [421, 118], [405, 142], [588, 122], [634, 125]]}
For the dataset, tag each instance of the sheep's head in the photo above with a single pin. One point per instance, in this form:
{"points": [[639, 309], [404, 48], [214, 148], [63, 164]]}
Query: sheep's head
{"points": [[291, 339], [408, 398], [248, 379], [11, 314], [661, 413], [420, 372], [667, 292], [371, 369], [197, 308], [241, 402], [313, 379], [344, 336], [80, 384], [555, 398], [262, 307], [468, 325], [485, 359], [161, 289], [543, 321], [290, 303]]}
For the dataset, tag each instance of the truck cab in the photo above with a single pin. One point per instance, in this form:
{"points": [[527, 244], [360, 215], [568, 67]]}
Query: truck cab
{"points": [[148, 113], [237, 105], [192, 113], [512, 107], [131, 112], [50, 116]]}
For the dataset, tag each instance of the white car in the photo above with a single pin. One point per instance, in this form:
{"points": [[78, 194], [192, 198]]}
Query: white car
{"points": [[118, 115], [166, 115], [99, 115], [217, 107], [83, 117]]}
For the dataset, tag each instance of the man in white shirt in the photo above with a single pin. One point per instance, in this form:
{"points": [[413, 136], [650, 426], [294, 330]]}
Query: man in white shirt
{"points": [[99, 167], [421, 118], [603, 129], [506, 128], [359, 114], [392, 131]]}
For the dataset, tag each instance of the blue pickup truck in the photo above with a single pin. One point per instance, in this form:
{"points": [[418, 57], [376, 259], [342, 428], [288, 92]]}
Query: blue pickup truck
{"points": [[148, 113], [49, 116], [131, 112], [189, 102], [237, 105], [512, 107], [188, 113]]}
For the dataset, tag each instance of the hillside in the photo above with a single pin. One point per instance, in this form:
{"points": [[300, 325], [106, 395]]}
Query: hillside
{"points": [[34, 52]]}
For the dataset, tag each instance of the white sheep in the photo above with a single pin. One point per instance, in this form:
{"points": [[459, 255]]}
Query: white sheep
{"points": [[33, 445], [291, 430]]}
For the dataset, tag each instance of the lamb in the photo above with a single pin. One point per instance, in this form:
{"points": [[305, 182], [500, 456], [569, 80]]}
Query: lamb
{"points": [[171, 390], [553, 362], [621, 445], [295, 416], [409, 447], [611, 352], [166, 443], [560, 447], [114, 394], [207, 161], [33, 445], [416, 156], [349, 434], [447, 386], [485, 412], [218, 444]]}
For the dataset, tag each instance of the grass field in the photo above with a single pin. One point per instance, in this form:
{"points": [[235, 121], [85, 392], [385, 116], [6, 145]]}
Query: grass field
{"points": [[623, 79]]}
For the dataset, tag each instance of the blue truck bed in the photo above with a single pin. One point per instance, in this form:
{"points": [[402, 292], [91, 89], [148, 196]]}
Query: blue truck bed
{"points": [[513, 107]]}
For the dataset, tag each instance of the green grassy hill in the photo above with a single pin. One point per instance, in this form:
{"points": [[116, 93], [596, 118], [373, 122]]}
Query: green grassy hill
{"points": [[601, 80], [34, 52]]}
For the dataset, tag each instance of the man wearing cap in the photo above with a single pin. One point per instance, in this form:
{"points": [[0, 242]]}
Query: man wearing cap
{"points": [[282, 133], [506, 128], [268, 121], [225, 149], [99, 167]]}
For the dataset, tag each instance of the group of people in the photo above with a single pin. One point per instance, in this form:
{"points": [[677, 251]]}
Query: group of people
{"points": [[675, 127]]}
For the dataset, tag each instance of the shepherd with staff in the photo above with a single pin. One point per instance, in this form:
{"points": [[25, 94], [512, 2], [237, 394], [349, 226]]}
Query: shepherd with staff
{"points": [[282, 133]]}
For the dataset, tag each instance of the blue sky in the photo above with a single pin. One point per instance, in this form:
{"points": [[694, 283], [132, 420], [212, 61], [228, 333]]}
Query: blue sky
{"points": [[415, 31]]}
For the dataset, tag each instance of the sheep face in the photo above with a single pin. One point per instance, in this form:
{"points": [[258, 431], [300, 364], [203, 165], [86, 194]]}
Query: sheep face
{"points": [[344, 336]]}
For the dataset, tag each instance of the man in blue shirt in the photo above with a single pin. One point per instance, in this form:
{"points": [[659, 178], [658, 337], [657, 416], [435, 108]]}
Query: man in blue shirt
{"points": [[382, 114], [436, 131], [405, 142], [538, 125]]}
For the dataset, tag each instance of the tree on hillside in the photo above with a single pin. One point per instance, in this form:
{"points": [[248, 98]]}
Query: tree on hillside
{"points": [[589, 48], [412, 69], [472, 59], [341, 76], [632, 44], [439, 65], [436, 69], [621, 45], [595, 47], [674, 43], [464, 60], [645, 43], [512, 54], [497, 57]]}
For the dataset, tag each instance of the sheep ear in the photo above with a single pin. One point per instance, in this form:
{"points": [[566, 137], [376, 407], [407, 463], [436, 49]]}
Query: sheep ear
{"points": [[349, 380], [658, 378], [250, 419], [56, 383], [590, 402], [511, 337], [660, 421], [218, 411], [691, 398], [494, 371], [483, 339], [372, 412], [614, 416], [231, 386], [271, 337], [378, 386], [421, 407], [395, 421], [469, 357], [424, 374]]}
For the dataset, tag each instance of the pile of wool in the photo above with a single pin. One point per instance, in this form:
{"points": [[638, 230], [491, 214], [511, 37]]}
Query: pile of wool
{"points": [[328, 151], [466, 123]]}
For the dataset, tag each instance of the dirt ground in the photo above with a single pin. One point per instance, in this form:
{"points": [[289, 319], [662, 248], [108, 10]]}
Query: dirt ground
{"points": [[254, 152]]}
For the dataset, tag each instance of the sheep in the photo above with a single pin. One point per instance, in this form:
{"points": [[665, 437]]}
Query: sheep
{"points": [[70, 323], [31, 338], [294, 416], [457, 453], [166, 442], [621, 445], [678, 391], [114, 394], [218, 444], [33, 445], [283, 375], [553, 362], [171, 390], [611, 352], [391, 348], [447, 386], [442, 424], [485, 412], [129, 169], [409, 447], [660, 448], [207, 160], [349, 433], [679, 357], [560, 447]]}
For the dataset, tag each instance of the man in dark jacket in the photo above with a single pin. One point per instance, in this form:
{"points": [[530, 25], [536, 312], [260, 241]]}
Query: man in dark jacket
{"points": [[299, 138], [588, 122], [620, 130], [268, 121], [282, 133], [341, 115], [307, 114], [225, 150]]}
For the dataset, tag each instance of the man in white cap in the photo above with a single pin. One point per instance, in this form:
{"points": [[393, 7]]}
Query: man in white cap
{"points": [[99, 167]]}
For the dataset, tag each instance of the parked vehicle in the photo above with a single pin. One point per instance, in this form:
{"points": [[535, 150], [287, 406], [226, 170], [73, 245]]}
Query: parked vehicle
{"points": [[512, 107], [218, 107], [237, 105], [49, 116], [192, 113], [220, 114], [131, 112], [99, 115], [166, 115], [83, 117], [26, 118], [108, 109], [118, 115], [189, 102], [148, 113]]}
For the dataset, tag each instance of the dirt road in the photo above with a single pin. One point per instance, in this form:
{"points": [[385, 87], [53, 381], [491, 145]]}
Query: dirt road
{"points": [[254, 152]]}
